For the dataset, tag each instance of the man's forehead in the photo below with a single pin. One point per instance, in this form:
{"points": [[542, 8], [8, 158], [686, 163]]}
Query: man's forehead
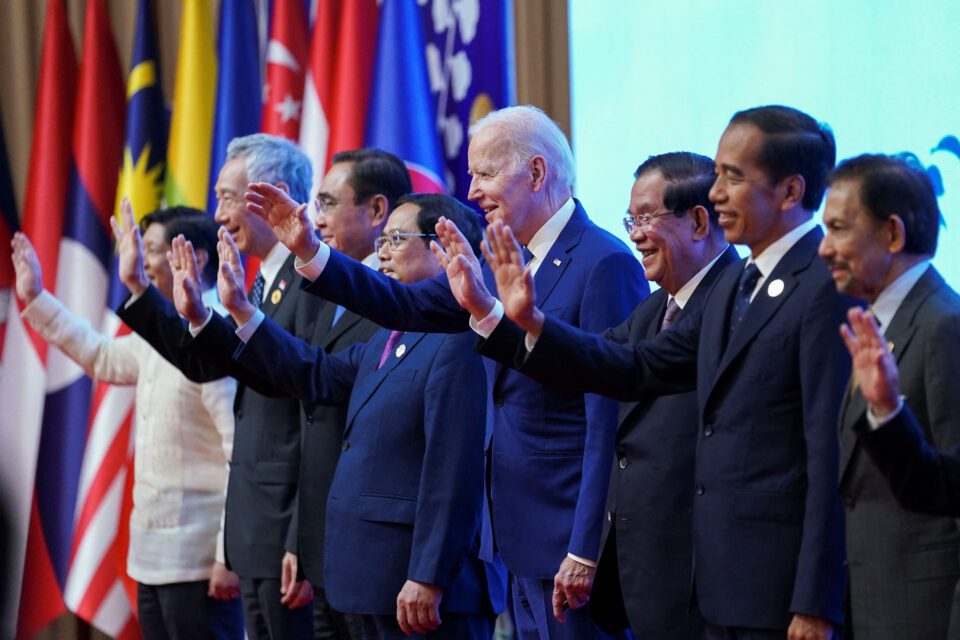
{"points": [[336, 180]]}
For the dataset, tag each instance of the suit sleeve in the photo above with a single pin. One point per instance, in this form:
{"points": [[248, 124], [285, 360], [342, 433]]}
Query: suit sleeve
{"points": [[824, 371], [921, 478], [427, 306], [941, 349], [217, 397], [451, 481], [568, 359], [304, 372], [616, 286]]}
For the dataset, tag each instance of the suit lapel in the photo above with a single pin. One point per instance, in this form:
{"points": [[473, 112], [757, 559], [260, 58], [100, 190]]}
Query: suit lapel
{"points": [[649, 332], [558, 258], [280, 288], [369, 384], [768, 300], [347, 321]]}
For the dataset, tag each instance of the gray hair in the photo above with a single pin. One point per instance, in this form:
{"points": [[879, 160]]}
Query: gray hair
{"points": [[528, 132], [273, 159]]}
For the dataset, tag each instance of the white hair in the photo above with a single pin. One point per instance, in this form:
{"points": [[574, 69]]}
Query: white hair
{"points": [[528, 132], [274, 159]]}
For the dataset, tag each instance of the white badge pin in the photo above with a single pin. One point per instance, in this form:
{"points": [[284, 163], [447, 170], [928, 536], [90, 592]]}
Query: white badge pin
{"points": [[556, 262], [402, 349], [775, 288]]}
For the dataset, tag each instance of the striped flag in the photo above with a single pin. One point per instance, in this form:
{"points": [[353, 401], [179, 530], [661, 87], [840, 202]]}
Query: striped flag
{"points": [[9, 223], [287, 54], [26, 353], [401, 118], [194, 95], [75, 482], [338, 80]]}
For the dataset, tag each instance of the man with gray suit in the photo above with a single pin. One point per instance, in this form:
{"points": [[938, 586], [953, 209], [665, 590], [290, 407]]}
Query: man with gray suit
{"points": [[882, 220]]}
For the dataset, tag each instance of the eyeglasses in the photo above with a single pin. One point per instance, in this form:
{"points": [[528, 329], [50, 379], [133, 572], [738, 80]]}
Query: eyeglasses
{"points": [[630, 222], [395, 239]]}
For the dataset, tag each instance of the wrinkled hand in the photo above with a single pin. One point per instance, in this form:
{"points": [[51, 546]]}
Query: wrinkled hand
{"points": [[288, 219], [130, 244], [230, 280], [295, 594], [187, 294], [418, 607], [27, 266], [572, 585], [809, 628], [514, 280], [874, 366], [224, 584], [463, 269]]}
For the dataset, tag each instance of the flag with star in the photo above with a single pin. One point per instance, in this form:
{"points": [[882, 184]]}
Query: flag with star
{"points": [[286, 70]]}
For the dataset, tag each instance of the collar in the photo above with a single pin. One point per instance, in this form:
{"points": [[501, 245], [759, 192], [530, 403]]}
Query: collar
{"points": [[890, 299], [772, 255], [542, 241], [686, 291], [271, 264]]}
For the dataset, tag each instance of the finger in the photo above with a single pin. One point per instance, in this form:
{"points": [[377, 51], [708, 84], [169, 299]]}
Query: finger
{"points": [[402, 619], [441, 255], [304, 593], [417, 619], [849, 339], [433, 618], [192, 269], [115, 227], [302, 215], [558, 605], [126, 213]]}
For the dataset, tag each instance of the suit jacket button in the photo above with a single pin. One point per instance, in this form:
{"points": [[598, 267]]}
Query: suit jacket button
{"points": [[624, 462], [708, 431], [345, 446], [498, 402], [700, 489]]}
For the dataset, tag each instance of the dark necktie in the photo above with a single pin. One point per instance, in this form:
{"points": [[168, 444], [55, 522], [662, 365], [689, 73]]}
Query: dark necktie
{"points": [[670, 315], [748, 282], [391, 343], [256, 291]]}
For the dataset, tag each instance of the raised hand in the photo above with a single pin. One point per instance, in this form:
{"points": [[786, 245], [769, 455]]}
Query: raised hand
{"points": [[130, 243], [514, 280], [230, 280], [874, 366], [187, 292], [27, 266], [418, 607], [288, 219], [463, 269]]}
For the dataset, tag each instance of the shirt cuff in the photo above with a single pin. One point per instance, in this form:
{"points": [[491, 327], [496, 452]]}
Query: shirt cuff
{"points": [[245, 331], [312, 270], [529, 341], [133, 298], [41, 309], [875, 422], [486, 326], [195, 329], [589, 563]]}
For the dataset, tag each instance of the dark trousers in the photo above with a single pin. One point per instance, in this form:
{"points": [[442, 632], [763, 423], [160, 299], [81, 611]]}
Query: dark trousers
{"points": [[266, 618], [453, 626], [330, 624], [533, 614], [183, 610]]}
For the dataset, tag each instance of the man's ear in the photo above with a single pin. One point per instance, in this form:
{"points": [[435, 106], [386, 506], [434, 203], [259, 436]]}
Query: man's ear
{"points": [[538, 172], [379, 209], [283, 186], [701, 222], [896, 234], [793, 189]]}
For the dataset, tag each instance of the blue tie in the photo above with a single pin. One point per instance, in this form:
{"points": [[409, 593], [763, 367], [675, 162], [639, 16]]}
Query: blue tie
{"points": [[748, 282]]}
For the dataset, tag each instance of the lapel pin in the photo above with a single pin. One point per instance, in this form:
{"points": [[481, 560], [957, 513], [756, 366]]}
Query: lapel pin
{"points": [[556, 262], [275, 296], [282, 285], [402, 349], [775, 288], [890, 346]]}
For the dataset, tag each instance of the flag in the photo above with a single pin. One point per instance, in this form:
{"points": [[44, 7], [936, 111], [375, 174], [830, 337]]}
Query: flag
{"points": [[287, 54], [401, 117], [26, 353], [93, 589], [194, 95], [470, 61], [238, 103], [338, 80]]}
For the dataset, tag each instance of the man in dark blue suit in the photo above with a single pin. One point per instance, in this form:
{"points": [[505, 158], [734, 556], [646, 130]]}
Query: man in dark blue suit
{"points": [[548, 453], [644, 576], [404, 509], [769, 376]]}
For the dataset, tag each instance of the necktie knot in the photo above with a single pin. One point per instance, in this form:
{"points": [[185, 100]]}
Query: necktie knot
{"points": [[670, 315], [748, 282], [527, 255]]}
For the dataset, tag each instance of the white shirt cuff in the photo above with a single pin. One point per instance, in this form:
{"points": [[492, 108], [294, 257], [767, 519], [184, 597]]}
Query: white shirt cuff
{"points": [[245, 331], [529, 341], [312, 270], [875, 422], [133, 298], [486, 326], [195, 329], [589, 563]]}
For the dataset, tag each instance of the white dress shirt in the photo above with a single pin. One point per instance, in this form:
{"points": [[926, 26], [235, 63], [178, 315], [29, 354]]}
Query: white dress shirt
{"points": [[182, 443]]}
